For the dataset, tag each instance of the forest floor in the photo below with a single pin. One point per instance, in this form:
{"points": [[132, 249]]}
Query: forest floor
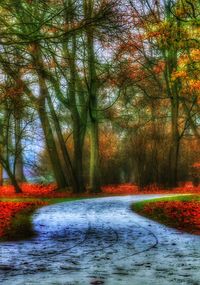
{"points": [[49, 191], [16, 209], [100, 241], [180, 212]]}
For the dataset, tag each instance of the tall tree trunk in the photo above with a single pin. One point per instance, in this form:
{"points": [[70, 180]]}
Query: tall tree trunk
{"points": [[175, 142], [51, 148], [11, 176], [46, 126], [57, 166], [18, 163], [49, 138], [19, 169], [76, 101], [173, 92], [14, 181], [73, 180], [93, 104], [77, 122], [94, 158], [78, 138], [1, 174]]}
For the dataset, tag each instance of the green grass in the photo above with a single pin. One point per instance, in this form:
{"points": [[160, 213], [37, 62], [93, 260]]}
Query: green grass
{"points": [[137, 206], [48, 200]]}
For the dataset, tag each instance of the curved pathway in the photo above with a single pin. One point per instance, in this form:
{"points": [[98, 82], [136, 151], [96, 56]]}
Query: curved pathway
{"points": [[100, 241]]}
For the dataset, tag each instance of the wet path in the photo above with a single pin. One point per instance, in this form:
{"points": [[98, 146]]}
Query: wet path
{"points": [[100, 241]]}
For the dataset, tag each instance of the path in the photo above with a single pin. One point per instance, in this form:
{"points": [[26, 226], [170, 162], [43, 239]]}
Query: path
{"points": [[100, 241]]}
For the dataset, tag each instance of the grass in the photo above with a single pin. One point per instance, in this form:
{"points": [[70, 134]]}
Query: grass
{"points": [[185, 217], [48, 200], [184, 198], [21, 227]]}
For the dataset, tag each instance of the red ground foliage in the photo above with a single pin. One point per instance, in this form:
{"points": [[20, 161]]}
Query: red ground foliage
{"points": [[29, 190], [8, 210], [39, 190], [125, 189], [122, 189], [184, 215]]}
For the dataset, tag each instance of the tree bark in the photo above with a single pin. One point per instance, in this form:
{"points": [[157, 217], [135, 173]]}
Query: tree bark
{"points": [[1, 174], [51, 148], [175, 142], [49, 138], [11, 175], [93, 104], [14, 181], [78, 121], [46, 126], [94, 159], [19, 162], [72, 179], [78, 138]]}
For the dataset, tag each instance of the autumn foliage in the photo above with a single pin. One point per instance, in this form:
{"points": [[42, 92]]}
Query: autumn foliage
{"points": [[181, 212], [9, 210], [131, 189], [29, 190], [183, 215], [40, 190]]}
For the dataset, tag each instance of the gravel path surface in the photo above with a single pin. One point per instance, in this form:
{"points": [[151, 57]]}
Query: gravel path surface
{"points": [[100, 241]]}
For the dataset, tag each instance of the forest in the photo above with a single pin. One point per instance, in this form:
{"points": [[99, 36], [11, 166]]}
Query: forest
{"points": [[99, 92]]}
